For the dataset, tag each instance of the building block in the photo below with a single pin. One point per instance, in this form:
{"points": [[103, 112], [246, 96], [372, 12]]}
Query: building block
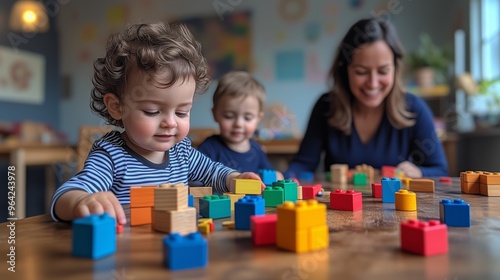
{"points": [[299, 192], [142, 196], [302, 226], [454, 213], [94, 236], [367, 169], [490, 178], [190, 200], [470, 176], [389, 187], [273, 196], [119, 228], [489, 190], [268, 176], [421, 185], [200, 191], [247, 186], [360, 179], [290, 188], [407, 181], [470, 187], [338, 173], [263, 229], [310, 192], [171, 197], [424, 238], [141, 216], [388, 171], [445, 179], [234, 198], [215, 207], [245, 208], [346, 200], [185, 252], [377, 190], [181, 221], [205, 225], [406, 201]]}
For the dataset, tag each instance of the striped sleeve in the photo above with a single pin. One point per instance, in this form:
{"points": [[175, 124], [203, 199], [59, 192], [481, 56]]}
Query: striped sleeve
{"points": [[96, 176]]}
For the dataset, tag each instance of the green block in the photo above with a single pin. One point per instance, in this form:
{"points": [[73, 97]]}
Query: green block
{"points": [[215, 206], [328, 176], [273, 196], [290, 188], [360, 179]]}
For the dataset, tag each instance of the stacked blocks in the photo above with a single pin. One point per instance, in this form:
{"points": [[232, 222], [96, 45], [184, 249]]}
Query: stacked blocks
{"points": [[360, 179], [290, 189], [245, 208], [274, 196], [346, 200], [367, 169], [424, 238], [171, 212], [142, 201], [469, 182], [406, 201], [377, 190], [247, 186], [215, 207], [389, 187], [454, 213], [338, 173], [185, 252], [421, 185], [489, 183], [310, 192], [94, 236], [267, 176], [263, 229], [301, 227]]}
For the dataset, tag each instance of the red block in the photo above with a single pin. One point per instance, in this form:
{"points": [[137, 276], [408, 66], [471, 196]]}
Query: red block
{"points": [[445, 179], [310, 192], [263, 229], [346, 200], [388, 171], [377, 190], [424, 238]]}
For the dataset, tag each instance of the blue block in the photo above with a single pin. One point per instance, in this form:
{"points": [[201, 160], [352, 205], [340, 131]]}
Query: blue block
{"points": [[245, 207], [454, 213], [190, 200], [184, 252], [94, 236], [389, 187], [267, 176], [215, 207]]}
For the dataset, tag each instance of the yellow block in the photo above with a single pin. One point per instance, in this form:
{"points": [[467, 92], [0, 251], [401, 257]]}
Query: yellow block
{"points": [[406, 200], [318, 238], [303, 214], [302, 240], [234, 197], [247, 186]]}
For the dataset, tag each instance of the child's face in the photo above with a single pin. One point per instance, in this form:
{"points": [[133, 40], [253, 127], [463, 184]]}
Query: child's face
{"points": [[155, 119], [238, 118]]}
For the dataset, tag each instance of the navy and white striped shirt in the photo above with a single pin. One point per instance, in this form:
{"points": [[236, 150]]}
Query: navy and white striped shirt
{"points": [[113, 166]]}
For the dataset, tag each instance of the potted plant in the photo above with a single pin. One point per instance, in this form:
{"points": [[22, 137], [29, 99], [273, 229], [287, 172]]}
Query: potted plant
{"points": [[428, 62]]}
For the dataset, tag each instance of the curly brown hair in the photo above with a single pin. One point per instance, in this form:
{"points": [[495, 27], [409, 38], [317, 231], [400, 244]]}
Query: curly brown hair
{"points": [[151, 48], [366, 31]]}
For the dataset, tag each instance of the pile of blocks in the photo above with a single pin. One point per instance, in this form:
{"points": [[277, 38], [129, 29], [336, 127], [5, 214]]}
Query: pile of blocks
{"points": [[480, 182], [171, 212]]}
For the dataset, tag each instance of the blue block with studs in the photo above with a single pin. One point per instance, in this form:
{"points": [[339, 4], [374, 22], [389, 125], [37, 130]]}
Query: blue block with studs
{"points": [[389, 187], [454, 213], [94, 236], [185, 252], [245, 207]]}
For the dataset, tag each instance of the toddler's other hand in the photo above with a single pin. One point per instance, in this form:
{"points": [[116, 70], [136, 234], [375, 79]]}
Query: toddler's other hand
{"points": [[99, 203], [410, 169]]}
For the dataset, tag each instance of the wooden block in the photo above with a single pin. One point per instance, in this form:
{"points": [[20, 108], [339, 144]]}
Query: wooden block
{"points": [[470, 176], [142, 196], [367, 169], [299, 192], [490, 178], [489, 190], [181, 221], [200, 191], [470, 188], [338, 173], [141, 216], [421, 185], [171, 197]]}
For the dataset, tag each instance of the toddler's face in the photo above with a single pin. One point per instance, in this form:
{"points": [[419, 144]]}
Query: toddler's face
{"points": [[155, 118], [238, 118]]}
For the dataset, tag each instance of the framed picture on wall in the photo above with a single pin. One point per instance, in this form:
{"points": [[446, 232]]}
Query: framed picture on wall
{"points": [[22, 76]]}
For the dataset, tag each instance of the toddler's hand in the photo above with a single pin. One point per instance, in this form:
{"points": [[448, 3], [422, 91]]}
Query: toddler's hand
{"points": [[410, 169], [99, 203]]}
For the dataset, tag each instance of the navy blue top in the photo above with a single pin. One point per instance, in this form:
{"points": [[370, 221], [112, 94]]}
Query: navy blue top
{"points": [[251, 161], [389, 146]]}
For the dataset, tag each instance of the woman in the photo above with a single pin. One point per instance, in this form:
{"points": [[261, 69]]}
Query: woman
{"points": [[366, 117]]}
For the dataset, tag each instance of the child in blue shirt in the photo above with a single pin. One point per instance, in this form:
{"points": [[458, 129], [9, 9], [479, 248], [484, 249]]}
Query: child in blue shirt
{"points": [[145, 85], [238, 108], [366, 117]]}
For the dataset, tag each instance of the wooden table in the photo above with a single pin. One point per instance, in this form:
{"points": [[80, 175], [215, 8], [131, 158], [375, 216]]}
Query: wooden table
{"points": [[22, 155], [363, 245]]}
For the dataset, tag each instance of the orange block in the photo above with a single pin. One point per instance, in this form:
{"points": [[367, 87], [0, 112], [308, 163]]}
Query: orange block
{"points": [[141, 216], [142, 196], [470, 188], [470, 176], [490, 178]]}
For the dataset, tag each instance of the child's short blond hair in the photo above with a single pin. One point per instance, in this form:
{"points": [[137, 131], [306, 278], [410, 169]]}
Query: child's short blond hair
{"points": [[237, 84]]}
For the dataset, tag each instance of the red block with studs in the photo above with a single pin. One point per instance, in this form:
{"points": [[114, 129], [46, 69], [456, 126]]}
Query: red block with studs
{"points": [[346, 200], [424, 238], [263, 229], [310, 192]]}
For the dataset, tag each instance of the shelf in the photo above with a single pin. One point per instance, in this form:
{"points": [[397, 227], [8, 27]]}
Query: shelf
{"points": [[433, 92]]}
